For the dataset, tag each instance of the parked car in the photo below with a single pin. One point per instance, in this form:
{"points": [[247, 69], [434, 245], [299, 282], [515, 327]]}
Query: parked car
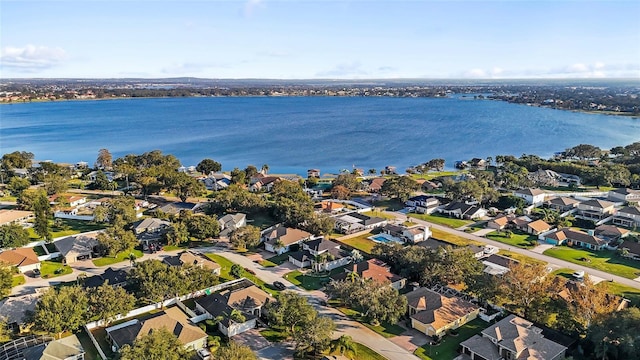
{"points": [[278, 285], [578, 275], [36, 273], [204, 354]]}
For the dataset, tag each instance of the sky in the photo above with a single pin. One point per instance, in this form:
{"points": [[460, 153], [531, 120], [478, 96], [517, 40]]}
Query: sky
{"points": [[327, 39]]}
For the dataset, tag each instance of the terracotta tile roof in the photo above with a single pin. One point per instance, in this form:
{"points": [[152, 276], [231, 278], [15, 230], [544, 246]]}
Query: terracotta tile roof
{"points": [[539, 226], [436, 309], [330, 206], [19, 257], [502, 220]]}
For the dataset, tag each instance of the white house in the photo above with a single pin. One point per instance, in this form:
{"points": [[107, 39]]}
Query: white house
{"points": [[531, 196], [321, 255], [624, 195], [628, 216]]}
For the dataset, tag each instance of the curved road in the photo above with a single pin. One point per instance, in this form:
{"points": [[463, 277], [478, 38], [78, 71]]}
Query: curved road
{"points": [[551, 260]]}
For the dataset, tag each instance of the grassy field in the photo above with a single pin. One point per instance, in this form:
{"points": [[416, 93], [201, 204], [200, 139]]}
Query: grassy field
{"points": [[360, 242], [442, 220], [362, 353], [389, 205], [521, 240], [379, 214], [121, 256], [226, 276], [48, 269], [447, 349], [310, 282], [17, 280], [452, 238], [385, 329], [627, 292], [604, 260], [69, 227], [435, 174], [521, 258]]}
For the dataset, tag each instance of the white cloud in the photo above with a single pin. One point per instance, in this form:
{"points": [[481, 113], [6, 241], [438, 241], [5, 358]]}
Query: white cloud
{"points": [[343, 70], [576, 70], [475, 73], [31, 58], [190, 68], [251, 6]]}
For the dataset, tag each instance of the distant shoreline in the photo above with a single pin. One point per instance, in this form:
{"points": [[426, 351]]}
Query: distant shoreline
{"points": [[595, 112]]}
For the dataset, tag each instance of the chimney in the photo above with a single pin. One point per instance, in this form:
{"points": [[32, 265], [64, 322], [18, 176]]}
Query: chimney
{"points": [[591, 232]]}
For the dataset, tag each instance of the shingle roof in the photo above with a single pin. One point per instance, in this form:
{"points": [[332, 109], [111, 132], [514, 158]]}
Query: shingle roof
{"points": [[7, 216], [285, 234], [631, 210], [19, 257], [563, 201], [370, 269], [436, 309], [530, 192], [81, 244], [601, 204], [539, 225], [320, 245]]}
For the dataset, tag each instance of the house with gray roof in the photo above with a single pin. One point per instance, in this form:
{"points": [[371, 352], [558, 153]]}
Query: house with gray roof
{"points": [[77, 247], [624, 195], [595, 209], [562, 204], [511, 338], [68, 348], [628, 216], [231, 222]]}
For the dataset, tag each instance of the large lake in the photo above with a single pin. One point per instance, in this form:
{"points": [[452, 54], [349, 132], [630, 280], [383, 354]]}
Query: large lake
{"points": [[292, 134]]}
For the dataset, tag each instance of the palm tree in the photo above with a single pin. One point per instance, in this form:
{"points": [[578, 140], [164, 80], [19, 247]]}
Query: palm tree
{"points": [[278, 245], [345, 345], [353, 276]]}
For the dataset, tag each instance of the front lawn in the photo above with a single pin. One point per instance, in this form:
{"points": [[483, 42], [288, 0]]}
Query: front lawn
{"points": [[225, 275], [53, 268], [517, 239], [385, 329], [452, 238], [389, 204], [361, 242], [519, 257], [442, 220], [379, 214], [274, 334], [626, 292], [17, 280], [68, 227], [310, 282], [448, 348], [604, 260], [121, 256], [362, 352]]}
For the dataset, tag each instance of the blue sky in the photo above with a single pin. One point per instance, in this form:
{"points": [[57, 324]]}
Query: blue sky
{"points": [[320, 39]]}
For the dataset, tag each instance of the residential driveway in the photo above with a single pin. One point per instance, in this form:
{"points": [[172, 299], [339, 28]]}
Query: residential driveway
{"points": [[252, 339], [541, 248], [410, 340], [483, 232]]}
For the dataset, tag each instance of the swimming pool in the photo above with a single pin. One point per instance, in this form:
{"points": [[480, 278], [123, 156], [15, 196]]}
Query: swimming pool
{"points": [[384, 238]]}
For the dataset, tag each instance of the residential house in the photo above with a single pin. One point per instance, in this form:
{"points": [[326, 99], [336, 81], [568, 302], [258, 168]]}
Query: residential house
{"points": [[531, 196], [521, 222], [173, 319], [231, 222], [372, 269], [375, 185], [537, 227], [423, 204], [188, 258], [463, 210], [628, 216], [512, 338], [576, 238], [67, 348], [430, 185], [264, 183], [433, 314], [624, 195], [24, 259], [313, 173], [14, 310], [320, 254], [611, 233], [630, 249], [175, 208], [8, 217], [478, 163], [77, 247], [500, 222], [331, 207], [498, 265], [217, 181], [150, 225], [115, 278], [279, 238], [562, 204], [72, 200], [542, 177], [413, 234], [354, 221], [248, 301], [595, 209]]}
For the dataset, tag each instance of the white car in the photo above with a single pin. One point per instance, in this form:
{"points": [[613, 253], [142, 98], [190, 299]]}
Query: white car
{"points": [[204, 354], [578, 275]]}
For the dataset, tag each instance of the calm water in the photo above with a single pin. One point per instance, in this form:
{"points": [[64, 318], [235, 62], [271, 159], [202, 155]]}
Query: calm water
{"points": [[294, 134]]}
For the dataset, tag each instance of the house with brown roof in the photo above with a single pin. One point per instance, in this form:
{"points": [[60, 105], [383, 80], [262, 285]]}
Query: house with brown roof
{"points": [[630, 249], [172, 319], [433, 314], [331, 207], [375, 270], [188, 258], [8, 217], [611, 233], [25, 259], [531, 196], [279, 238], [537, 227], [264, 183], [562, 204], [375, 185], [576, 238], [595, 209], [512, 338], [500, 222], [628, 216]]}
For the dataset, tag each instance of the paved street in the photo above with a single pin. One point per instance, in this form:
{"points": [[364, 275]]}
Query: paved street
{"points": [[551, 260]]}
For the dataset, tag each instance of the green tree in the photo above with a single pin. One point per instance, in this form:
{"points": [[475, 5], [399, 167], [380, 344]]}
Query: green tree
{"points": [[321, 224], [106, 301], [399, 187], [42, 211], [234, 351], [55, 183], [17, 185], [202, 226], [315, 336], [104, 160], [526, 288], [340, 192], [238, 176], [347, 180], [291, 205], [198, 278], [60, 310], [207, 166], [245, 237], [290, 310], [17, 160], [13, 235], [154, 281], [177, 234], [102, 181], [615, 337], [116, 239], [186, 186], [158, 344], [6, 280], [345, 346], [236, 271], [5, 332]]}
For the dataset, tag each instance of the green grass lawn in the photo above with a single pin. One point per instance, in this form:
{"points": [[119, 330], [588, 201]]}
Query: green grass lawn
{"points": [[389, 204], [385, 329], [379, 214], [48, 269], [17, 280], [362, 353], [442, 220], [435, 174], [360, 242], [267, 263], [452, 238], [310, 282], [69, 227], [226, 276], [627, 292], [563, 272], [279, 259], [517, 239], [274, 334], [604, 260], [121, 256], [519, 257], [448, 348]]}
